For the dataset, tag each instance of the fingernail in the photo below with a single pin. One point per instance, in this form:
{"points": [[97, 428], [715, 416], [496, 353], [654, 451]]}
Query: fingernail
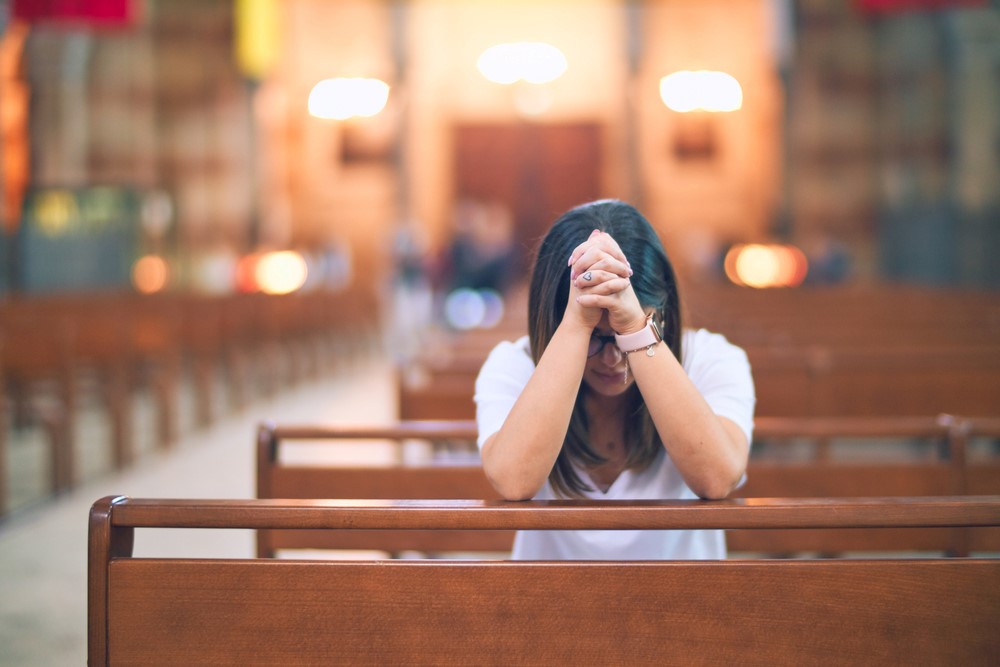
{"points": [[570, 262]]}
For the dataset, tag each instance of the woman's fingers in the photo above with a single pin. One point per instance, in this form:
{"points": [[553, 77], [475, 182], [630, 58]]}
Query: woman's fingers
{"points": [[577, 251], [608, 285], [604, 291], [599, 246], [600, 277], [597, 258], [593, 278], [599, 240]]}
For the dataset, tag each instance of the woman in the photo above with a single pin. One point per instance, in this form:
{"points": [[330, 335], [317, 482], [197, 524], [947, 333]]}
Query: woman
{"points": [[593, 403]]}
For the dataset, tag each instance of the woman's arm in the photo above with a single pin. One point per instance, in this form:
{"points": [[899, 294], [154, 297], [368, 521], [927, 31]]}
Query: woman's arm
{"points": [[517, 459], [711, 452]]}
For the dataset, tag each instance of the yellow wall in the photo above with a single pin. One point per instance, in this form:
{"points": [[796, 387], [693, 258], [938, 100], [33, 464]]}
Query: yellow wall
{"points": [[734, 195]]}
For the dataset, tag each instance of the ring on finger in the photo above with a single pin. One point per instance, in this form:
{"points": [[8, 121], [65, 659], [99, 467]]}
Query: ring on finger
{"points": [[588, 276]]}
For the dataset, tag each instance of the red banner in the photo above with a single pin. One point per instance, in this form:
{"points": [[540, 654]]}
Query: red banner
{"points": [[90, 12]]}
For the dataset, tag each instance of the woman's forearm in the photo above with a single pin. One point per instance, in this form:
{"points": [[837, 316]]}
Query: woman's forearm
{"points": [[517, 459], [709, 451]]}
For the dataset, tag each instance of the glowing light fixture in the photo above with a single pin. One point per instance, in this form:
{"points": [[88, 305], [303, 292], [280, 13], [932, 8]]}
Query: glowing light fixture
{"points": [[343, 98], [534, 62], [150, 274], [466, 308], [213, 272], [766, 265], [701, 91], [281, 272], [55, 210]]}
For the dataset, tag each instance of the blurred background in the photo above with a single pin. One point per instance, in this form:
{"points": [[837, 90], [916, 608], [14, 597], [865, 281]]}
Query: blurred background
{"points": [[216, 212], [206, 200], [164, 145]]}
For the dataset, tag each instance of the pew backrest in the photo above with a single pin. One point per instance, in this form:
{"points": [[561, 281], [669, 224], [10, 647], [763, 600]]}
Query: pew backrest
{"points": [[276, 479], [196, 611], [808, 380]]}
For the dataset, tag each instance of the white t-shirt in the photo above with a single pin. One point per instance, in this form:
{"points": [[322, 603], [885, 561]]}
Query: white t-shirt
{"points": [[721, 373]]}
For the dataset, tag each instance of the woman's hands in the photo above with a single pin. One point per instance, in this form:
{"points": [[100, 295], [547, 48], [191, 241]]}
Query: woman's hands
{"points": [[600, 282]]}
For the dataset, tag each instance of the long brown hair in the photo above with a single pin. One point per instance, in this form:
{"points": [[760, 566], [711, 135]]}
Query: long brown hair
{"points": [[654, 284]]}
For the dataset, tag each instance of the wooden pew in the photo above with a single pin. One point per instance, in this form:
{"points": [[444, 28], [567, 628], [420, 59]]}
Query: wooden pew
{"points": [[822, 475], [883, 350], [4, 425], [38, 378], [263, 342], [276, 479], [878, 314], [436, 394], [876, 380], [797, 381], [59, 352], [100, 346], [440, 383], [159, 356], [946, 474], [983, 472], [196, 611]]}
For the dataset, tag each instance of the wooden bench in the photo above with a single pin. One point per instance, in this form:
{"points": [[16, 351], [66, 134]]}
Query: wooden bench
{"points": [[38, 379], [942, 469], [876, 380], [197, 611], [277, 479], [435, 394], [880, 314], [878, 350], [796, 381], [62, 352], [948, 473]]}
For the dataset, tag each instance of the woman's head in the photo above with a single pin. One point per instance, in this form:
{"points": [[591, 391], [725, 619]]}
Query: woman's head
{"points": [[653, 280], [655, 285]]}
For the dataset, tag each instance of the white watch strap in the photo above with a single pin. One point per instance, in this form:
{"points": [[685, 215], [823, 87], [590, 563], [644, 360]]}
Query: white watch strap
{"points": [[638, 340]]}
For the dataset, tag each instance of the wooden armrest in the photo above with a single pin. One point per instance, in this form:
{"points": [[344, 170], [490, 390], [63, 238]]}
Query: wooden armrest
{"points": [[403, 430], [847, 427], [742, 513]]}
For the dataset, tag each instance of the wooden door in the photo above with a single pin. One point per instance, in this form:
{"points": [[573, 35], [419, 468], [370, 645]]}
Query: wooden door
{"points": [[537, 170]]}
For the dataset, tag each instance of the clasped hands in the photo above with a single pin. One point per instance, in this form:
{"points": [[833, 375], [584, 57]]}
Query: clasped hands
{"points": [[599, 276]]}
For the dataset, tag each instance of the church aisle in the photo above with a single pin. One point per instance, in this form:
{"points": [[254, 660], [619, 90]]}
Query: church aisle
{"points": [[43, 552]]}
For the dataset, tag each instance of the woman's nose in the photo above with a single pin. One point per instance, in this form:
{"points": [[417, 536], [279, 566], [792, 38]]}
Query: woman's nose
{"points": [[611, 355]]}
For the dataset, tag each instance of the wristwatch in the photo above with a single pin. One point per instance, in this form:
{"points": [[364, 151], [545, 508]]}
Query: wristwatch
{"points": [[646, 338]]}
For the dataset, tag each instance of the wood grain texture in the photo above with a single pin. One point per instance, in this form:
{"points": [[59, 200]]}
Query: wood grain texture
{"points": [[423, 613]]}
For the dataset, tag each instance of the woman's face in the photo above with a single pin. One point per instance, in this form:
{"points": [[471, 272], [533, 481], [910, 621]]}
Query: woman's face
{"points": [[605, 373]]}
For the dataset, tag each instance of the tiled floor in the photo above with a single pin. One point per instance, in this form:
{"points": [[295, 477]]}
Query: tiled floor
{"points": [[43, 550]]}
